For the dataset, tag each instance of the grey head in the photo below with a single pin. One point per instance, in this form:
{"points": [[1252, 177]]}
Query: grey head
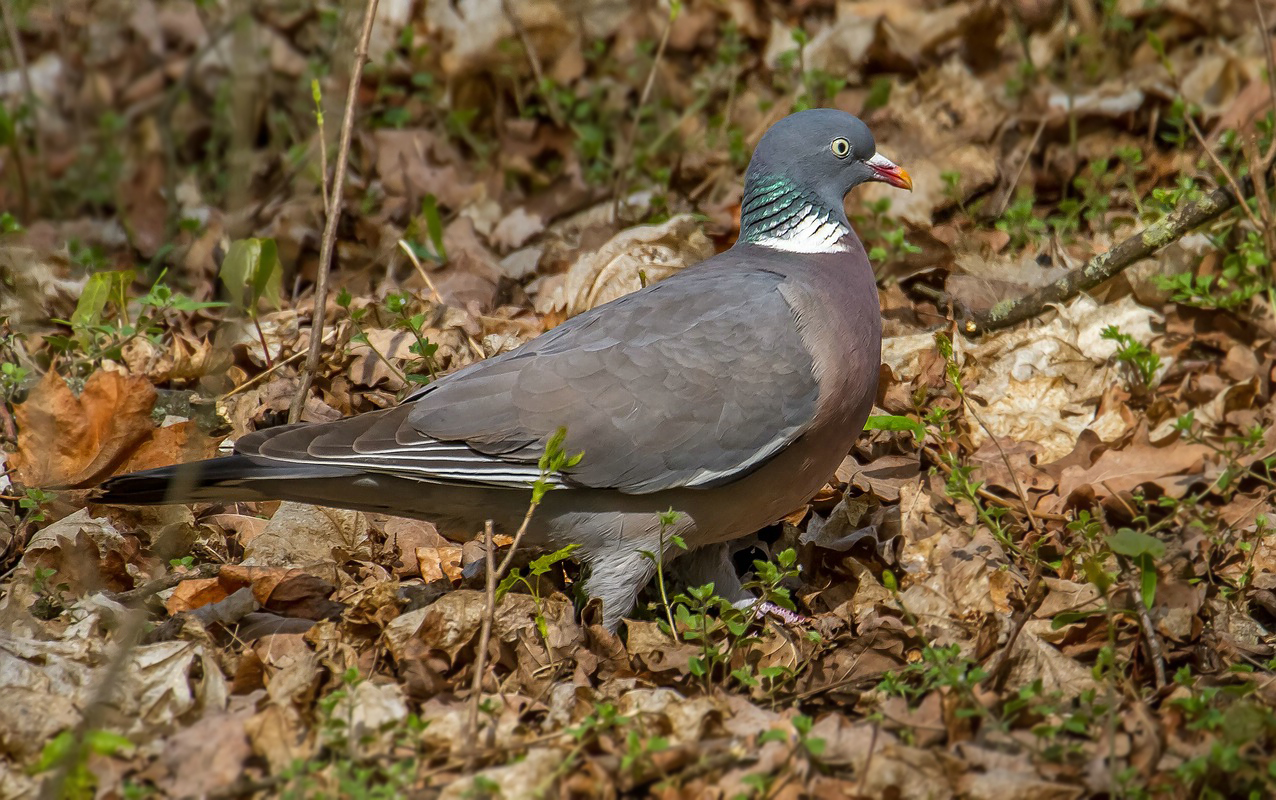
{"points": [[800, 174]]}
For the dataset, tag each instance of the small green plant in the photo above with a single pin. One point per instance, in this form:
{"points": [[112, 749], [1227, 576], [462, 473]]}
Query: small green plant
{"points": [[344, 767], [251, 273], [424, 367], [1135, 355], [801, 745], [638, 752], [668, 519], [952, 189], [66, 751], [1019, 222], [32, 503], [104, 320], [427, 226], [553, 461], [1142, 551], [893, 422], [51, 598], [425, 351], [535, 570], [1238, 762], [719, 629], [12, 381], [1093, 199], [884, 236], [1245, 271], [812, 87]]}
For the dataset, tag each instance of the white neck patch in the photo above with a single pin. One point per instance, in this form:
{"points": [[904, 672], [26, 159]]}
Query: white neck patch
{"points": [[811, 234]]}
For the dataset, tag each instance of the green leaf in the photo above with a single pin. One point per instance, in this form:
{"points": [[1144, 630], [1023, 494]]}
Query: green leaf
{"points": [[507, 583], [889, 581], [542, 565], [107, 743], [434, 225], [773, 735], [892, 422], [1147, 580], [1129, 542], [251, 273], [101, 287]]}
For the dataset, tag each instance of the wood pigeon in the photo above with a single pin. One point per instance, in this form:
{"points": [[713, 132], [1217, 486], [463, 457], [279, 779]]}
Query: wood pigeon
{"points": [[728, 392]]}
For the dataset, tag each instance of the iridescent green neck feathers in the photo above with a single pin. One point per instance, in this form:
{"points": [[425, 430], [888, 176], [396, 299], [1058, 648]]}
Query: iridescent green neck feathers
{"points": [[777, 214]]}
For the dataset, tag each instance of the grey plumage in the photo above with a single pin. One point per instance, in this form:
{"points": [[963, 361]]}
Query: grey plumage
{"points": [[729, 392]]}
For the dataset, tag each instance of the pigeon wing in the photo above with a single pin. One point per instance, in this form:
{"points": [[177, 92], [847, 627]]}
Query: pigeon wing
{"points": [[692, 382]]}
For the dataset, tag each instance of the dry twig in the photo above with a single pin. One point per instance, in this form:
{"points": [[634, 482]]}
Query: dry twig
{"points": [[334, 216], [494, 574], [625, 158], [24, 74], [485, 631]]}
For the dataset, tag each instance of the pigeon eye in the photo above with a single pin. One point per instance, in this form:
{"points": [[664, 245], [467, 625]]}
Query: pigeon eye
{"points": [[841, 147]]}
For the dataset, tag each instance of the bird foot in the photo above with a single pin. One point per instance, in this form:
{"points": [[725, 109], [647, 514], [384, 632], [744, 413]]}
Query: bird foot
{"points": [[786, 616]]}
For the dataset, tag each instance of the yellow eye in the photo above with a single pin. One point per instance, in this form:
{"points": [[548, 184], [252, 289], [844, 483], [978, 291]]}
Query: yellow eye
{"points": [[841, 147]]}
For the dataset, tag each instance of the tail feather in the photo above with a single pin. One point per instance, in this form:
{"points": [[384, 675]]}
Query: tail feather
{"points": [[234, 477]]}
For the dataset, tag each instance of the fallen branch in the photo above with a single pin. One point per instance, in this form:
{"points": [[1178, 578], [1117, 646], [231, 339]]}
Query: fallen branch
{"points": [[1173, 227], [148, 590]]}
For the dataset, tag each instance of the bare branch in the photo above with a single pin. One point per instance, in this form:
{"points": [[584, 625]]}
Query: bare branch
{"points": [[1107, 265], [333, 216]]}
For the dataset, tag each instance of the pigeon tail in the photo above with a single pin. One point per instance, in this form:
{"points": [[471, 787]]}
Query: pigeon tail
{"points": [[231, 478]]}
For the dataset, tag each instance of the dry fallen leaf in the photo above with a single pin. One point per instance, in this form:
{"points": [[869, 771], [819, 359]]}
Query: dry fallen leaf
{"points": [[66, 440], [620, 265], [308, 536]]}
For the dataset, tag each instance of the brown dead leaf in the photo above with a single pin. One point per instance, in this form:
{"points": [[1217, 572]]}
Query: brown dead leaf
{"points": [[87, 554], [171, 444], [408, 166], [65, 440], [438, 563], [207, 756], [883, 477], [1171, 465], [288, 592], [195, 593], [657, 251], [308, 536]]}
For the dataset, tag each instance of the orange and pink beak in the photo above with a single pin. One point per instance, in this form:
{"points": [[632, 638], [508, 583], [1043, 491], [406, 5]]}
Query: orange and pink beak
{"points": [[887, 171]]}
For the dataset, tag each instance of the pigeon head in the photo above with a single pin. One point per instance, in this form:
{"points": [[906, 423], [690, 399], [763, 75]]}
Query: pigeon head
{"points": [[801, 172]]}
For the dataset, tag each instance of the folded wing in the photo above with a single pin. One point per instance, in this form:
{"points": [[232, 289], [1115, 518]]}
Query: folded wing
{"points": [[692, 382]]}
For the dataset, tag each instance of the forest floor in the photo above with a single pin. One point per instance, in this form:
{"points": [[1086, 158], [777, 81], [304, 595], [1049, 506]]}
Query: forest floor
{"points": [[1049, 574]]}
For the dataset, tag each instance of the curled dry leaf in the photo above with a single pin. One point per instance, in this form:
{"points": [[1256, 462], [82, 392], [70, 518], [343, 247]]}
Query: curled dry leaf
{"points": [[1173, 466], [87, 554], [408, 166], [619, 266], [372, 712], [521, 780], [883, 477], [308, 536], [287, 592], [448, 625], [1043, 384], [159, 684], [202, 759]]}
